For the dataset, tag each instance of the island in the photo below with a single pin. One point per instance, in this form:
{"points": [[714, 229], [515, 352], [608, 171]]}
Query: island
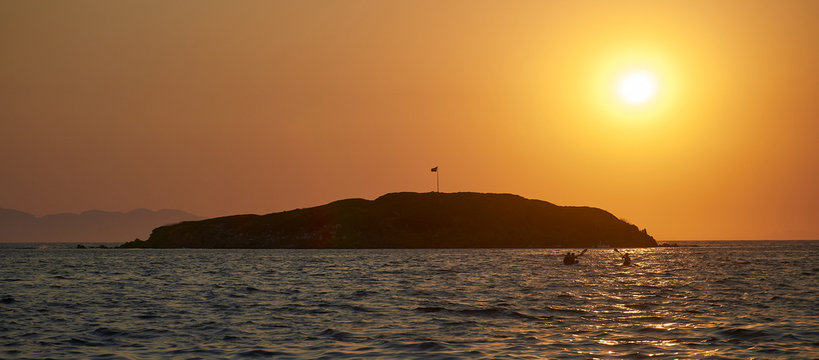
{"points": [[409, 220]]}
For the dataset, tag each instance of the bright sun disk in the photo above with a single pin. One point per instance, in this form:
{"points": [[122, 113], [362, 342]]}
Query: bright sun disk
{"points": [[637, 87]]}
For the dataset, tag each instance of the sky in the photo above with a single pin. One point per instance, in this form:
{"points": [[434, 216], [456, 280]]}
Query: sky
{"points": [[229, 107]]}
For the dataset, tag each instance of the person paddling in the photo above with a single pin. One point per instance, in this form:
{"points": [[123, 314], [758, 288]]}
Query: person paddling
{"points": [[570, 258], [626, 258]]}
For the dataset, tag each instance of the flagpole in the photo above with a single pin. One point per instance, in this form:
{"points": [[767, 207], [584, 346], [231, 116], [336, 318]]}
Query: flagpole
{"points": [[437, 183]]}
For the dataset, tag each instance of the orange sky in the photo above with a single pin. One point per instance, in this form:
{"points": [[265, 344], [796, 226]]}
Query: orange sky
{"points": [[223, 107]]}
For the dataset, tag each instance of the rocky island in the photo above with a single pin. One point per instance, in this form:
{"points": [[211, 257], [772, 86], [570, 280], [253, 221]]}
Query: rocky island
{"points": [[409, 220]]}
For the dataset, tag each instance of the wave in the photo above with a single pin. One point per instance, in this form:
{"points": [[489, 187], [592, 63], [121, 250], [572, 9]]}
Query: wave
{"points": [[418, 346], [259, 353], [109, 332], [335, 335], [642, 305], [487, 312], [565, 310], [742, 334]]}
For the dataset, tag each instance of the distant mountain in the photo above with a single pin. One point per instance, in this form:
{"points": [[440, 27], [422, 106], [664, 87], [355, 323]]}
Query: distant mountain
{"points": [[410, 220], [90, 226]]}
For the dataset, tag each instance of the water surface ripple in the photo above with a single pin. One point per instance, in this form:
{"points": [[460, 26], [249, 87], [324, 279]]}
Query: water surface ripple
{"points": [[722, 300]]}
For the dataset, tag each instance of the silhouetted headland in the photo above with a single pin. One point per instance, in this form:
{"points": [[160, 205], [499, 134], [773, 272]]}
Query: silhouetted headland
{"points": [[409, 220]]}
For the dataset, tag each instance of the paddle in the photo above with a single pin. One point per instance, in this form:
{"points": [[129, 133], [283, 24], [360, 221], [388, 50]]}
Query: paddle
{"points": [[582, 252]]}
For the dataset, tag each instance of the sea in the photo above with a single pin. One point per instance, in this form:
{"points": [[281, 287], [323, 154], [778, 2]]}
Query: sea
{"points": [[701, 300]]}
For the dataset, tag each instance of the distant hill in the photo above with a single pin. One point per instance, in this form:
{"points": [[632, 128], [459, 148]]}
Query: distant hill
{"points": [[409, 220], [90, 226]]}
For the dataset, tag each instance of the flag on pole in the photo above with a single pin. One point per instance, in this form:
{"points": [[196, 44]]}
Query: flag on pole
{"points": [[437, 186]]}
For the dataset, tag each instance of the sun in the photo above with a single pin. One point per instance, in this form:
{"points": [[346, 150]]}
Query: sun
{"points": [[637, 87], [633, 87]]}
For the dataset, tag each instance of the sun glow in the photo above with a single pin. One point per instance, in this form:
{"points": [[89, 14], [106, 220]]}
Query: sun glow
{"points": [[634, 87], [637, 87]]}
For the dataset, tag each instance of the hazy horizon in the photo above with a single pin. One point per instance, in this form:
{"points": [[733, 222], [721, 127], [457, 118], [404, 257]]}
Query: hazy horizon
{"points": [[2, 240], [220, 108]]}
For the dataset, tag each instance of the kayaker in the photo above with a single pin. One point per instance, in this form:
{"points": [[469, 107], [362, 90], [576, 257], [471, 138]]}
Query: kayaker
{"points": [[570, 258], [626, 259]]}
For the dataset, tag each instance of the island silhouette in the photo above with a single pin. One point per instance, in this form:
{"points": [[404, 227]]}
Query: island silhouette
{"points": [[409, 220]]}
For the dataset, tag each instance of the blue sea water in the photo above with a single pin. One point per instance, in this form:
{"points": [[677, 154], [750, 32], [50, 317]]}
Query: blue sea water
{"points": [[720, 300]]}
